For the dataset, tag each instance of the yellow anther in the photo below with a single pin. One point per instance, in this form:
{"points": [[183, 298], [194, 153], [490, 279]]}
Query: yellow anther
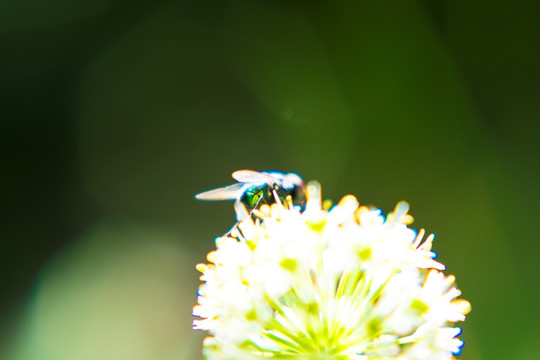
{"points": [[463, 306], [349, 200], [327, 204]]}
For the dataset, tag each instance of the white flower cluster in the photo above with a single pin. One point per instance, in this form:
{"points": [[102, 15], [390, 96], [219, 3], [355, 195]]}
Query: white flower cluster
{"points": [[317, 284]]}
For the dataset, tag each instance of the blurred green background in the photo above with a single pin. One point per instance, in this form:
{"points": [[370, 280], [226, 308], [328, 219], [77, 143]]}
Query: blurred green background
{"points": [[115, 113]]}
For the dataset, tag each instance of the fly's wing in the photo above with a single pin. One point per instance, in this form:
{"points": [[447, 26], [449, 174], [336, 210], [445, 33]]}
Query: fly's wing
{"points": [[287, 181], [231, 192], [250, 176], [294, 179]]}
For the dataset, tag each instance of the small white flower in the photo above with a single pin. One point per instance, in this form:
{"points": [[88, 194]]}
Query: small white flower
{"points": [[317, 284]]}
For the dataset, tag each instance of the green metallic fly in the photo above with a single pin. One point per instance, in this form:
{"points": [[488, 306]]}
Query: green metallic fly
{"points": [[256, 188]]}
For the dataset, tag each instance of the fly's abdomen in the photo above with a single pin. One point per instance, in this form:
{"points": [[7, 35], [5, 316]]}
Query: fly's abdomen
{"points": [[253, 197]]}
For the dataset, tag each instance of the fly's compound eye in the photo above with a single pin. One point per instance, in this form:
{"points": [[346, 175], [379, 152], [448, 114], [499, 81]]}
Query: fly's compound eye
{"points": [[298, 195], [294, 193]]}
